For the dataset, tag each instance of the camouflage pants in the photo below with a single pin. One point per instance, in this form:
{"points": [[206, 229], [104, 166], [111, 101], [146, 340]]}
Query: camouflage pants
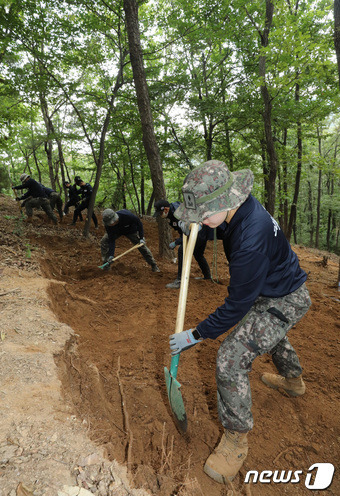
{"points": [[134, 238], [262, 330], [37, 203], [55, 200]]}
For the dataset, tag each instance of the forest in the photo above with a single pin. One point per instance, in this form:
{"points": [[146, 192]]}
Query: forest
{"points": [[133, 95]]}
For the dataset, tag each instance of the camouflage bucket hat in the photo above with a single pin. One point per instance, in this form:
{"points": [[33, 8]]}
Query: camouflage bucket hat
{"points": [[109, 216], [23, 177], [211, 188]]}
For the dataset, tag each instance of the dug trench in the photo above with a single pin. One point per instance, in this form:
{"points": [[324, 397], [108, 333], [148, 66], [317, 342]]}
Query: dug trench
{"points": [[112, 369]]}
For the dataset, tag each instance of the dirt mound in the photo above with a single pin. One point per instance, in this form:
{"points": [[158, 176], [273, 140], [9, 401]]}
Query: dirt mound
{"points": [[111, 367]]}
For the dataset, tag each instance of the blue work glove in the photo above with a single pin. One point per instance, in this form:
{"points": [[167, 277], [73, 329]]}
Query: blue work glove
{"points": [[142, 241], [172, 245], [110, 259], [183, 341]]}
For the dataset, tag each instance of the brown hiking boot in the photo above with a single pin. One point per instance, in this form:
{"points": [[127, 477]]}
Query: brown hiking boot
{"points": [[293, 386], [227, 458]]}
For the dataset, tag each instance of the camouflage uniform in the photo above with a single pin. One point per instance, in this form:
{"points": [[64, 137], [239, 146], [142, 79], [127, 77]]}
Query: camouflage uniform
{"points": [[210, 189], [43, 203], [259, 332], [55, 200]]}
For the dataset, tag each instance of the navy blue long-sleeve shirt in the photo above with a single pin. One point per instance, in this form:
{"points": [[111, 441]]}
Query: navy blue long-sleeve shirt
{"points": [[34, 188], [73, 193], [128, 223], [261, 263], [47, 190], [173, 221], [86, 191]]}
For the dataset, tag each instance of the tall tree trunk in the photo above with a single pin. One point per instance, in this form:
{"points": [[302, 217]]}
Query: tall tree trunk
{"points": [[310, 214], [144, 107], [131, 171], [337, 33], [329, 229], [50, 130], [142, 185], [208, 136], [228, 144], [37, 165], [285, 185], [265, 170], [318, 212], [330, 188], [267, 111], [124, 187], [62, 165], [293, 208], [28, 165], [48, 141]]}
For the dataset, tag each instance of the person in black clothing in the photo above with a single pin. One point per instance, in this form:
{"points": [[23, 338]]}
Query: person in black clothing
{"points": [[86, 192], [55, 200], [35, 197], [73, 198], [166, 210], [124, 223]]}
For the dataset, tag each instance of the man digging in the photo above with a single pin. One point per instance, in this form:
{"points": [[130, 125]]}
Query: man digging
{"points": [[35, 197], [267, 297], [123, 223]]}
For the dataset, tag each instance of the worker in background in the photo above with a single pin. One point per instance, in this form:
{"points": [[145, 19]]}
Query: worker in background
{"points": [[73, 198], [124, 223], [35, 197], [55, 200], [86, 193], [166, 210]]}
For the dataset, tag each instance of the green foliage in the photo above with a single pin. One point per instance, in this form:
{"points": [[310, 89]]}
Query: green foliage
{"points": [[202, 67]]}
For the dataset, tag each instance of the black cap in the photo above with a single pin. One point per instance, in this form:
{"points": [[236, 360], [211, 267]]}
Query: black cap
{"points": [[66, 182], [159, 206], [78, 179]]}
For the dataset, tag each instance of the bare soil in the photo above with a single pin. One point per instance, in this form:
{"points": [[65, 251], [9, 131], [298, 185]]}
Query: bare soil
{"points": [[82, 365]]}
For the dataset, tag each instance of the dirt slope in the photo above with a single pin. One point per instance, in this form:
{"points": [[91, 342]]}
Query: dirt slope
{"points": [[111, 366]]}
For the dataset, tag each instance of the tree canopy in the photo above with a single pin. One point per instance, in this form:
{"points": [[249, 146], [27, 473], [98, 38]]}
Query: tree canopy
{"points": [[254, 84]]}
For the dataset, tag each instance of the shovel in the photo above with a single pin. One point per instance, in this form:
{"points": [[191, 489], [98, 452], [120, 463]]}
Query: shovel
{"points": [[107, 264], [19, 205], [172, 385]]}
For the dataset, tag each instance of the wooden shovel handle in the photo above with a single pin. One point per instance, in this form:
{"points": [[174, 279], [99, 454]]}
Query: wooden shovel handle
{"points": [[127, 251], [184, 244], [183, 292]]}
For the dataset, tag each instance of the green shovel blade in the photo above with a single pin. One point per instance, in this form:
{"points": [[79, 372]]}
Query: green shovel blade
{"points": [[104, 266], [175, 395]]}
